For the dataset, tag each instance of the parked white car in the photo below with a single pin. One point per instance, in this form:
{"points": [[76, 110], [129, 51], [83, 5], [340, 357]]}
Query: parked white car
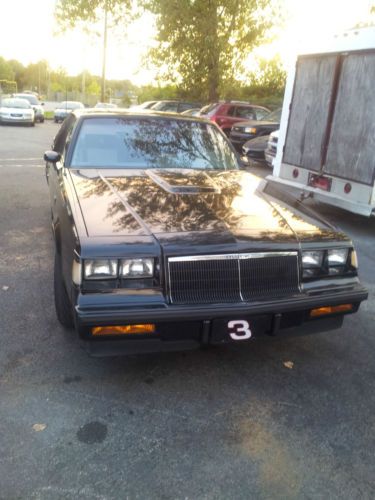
{"points": [[105, 105], [13, 110], [270, 152], [35, 104]]}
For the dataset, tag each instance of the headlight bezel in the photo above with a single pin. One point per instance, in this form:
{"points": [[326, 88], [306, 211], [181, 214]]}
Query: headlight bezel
{"points": [[327, 267], [114, 273]]}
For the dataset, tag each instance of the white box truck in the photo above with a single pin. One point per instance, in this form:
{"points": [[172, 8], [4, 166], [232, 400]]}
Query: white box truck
{"points": [[326, 145]]}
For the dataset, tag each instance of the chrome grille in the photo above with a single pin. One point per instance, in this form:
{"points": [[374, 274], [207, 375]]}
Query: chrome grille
{"points": [[269, 276], [232, 277]]}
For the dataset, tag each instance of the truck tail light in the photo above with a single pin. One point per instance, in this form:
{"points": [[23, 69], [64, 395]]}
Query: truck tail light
{"points": [[347, 188], [320, 181]]}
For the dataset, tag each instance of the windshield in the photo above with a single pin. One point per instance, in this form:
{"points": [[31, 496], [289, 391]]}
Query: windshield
{"points": [[208, 108], [274, 116], [70, 105], [30, 98], [151, 142], [15, 103]]}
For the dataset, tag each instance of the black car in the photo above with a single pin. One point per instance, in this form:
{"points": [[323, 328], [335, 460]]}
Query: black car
{"points": [[163, 243], [244, 131], [255, 149], [174, 106]]}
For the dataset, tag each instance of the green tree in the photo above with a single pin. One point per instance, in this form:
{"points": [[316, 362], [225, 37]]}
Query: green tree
{"points": [[71, 13], [203, 42], [6, 71]]}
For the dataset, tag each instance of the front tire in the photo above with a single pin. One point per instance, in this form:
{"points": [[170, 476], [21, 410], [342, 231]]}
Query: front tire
{"points": [[63, 305]]}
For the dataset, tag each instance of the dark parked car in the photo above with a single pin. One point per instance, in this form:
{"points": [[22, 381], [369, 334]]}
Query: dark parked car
{"points": [[254, 150], [174, 106], [244, 131], [64, 108], [163, 243], [227, 113]]}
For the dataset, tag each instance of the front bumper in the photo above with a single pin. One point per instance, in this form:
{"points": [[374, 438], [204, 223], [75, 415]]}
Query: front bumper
{"points": [[188, 327], [238, 140], [11, 119]]}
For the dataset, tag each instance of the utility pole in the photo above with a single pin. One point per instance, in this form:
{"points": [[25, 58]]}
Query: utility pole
{"points": [[104, 52]]}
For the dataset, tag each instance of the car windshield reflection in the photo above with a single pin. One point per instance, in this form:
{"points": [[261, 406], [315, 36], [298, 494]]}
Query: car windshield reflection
{"points": [[156, 142]]}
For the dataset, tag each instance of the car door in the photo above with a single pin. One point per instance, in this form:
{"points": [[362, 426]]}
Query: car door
{"points": [[56, 175]]}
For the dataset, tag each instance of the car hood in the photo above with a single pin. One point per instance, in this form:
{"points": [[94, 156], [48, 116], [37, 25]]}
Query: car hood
{"points": [[255, 123], [16, 110], [257, 143], [188, 205]]}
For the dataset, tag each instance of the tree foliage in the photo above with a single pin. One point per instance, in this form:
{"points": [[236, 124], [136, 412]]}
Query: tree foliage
{"points": [[202, 43], [70, 13], [6, 70]]}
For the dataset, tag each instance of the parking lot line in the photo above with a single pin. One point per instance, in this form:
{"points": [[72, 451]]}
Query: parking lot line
{"points": [[20, 159], [19, 165]]}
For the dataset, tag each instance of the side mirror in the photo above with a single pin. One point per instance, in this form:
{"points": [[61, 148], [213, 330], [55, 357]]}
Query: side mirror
{"points": [[52, 156]]}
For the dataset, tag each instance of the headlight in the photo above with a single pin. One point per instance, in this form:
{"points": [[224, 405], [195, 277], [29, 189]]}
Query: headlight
{"points": [[337, 257], [101, 269], [330, 262], [312, 258], [250, 130], [137, 268]]}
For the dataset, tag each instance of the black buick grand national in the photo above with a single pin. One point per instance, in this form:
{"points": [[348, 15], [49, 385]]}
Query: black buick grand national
{"points": [[164, 243]]}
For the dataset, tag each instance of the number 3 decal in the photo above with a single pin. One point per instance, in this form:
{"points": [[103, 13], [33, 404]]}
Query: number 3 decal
{"points": [[239, 329]]}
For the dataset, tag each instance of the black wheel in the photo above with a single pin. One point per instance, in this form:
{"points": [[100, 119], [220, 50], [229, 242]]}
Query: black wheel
{"points": [[62, 303], [55, 120], [41, 120]]}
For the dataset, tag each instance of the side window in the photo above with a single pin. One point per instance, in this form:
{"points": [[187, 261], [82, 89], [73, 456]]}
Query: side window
{"points": [[59, 141], [170, 106], [230, 111], [184, 106], [69, 134], [62, 138], [261, 113], [245, 113]]}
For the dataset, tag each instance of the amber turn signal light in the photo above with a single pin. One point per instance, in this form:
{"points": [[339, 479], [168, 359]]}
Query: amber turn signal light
{"points": [[324, 311], [123, 330]]}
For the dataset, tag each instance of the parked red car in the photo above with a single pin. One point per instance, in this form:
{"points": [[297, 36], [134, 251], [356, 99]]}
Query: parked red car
{"points": [[225, 114]]}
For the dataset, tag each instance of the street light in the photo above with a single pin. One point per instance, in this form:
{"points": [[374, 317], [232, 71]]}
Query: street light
{"points": [[104, 52]]}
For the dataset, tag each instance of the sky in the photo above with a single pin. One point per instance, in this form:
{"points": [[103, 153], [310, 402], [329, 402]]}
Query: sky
{"points": [[28, 34]]}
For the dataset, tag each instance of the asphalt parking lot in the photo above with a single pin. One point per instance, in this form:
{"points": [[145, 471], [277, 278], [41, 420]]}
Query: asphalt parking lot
{"points": [[287, 418]]}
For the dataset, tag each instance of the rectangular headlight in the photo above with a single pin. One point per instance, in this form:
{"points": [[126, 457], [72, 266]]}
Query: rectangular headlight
{"points": [[312, 258], [250, 130], [100, 269], [137, 268], [337, 256]]}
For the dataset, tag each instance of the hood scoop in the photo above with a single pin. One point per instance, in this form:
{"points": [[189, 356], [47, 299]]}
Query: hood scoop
{"points": [[183, 181]]}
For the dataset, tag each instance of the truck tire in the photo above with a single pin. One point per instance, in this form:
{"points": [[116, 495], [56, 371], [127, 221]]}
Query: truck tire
{"points": [[63, 305]]}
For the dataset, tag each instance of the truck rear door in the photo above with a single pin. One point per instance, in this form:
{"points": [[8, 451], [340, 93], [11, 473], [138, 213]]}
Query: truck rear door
{"points": [[331, 127]]}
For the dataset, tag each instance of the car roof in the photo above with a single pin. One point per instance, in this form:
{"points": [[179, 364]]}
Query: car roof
{"points": [[108, 113]]}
